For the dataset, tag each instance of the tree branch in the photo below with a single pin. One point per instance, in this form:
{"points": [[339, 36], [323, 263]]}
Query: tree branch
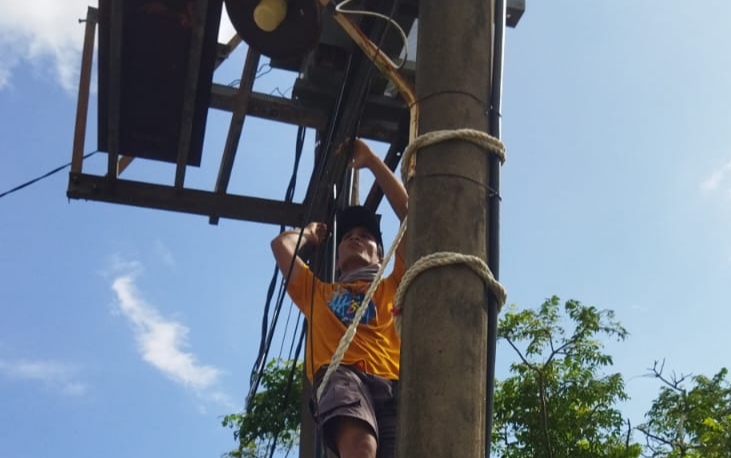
{"points": [[544, 408], [510, 342], [662, 440], [560, 349], [674, 383]]}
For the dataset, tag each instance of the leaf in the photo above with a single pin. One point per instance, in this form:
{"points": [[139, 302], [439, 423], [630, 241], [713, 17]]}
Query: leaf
{"points": [[274, 412]]}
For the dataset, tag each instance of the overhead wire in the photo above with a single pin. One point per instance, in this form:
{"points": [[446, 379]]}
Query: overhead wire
{"points": [[279, 92], [268, 331], [286, 328], [267, 328], [297, 323], [44, 176], [263, 69], [493, 233], [290, 381]]}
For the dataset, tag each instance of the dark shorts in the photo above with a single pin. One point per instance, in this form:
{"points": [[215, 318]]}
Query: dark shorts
{"points": [[355, 394]]}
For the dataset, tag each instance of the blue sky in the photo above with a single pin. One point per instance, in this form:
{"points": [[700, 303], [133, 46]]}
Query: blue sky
{"points": [[129, 332]]}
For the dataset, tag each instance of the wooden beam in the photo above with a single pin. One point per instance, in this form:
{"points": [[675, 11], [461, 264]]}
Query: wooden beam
{"points": [[284, 110], [248, 74], [392, 159], [82, 104], [246, 83], [163, 197]]}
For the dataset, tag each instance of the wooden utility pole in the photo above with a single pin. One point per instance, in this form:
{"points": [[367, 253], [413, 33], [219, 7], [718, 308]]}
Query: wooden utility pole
{"points": [[443, 356]]}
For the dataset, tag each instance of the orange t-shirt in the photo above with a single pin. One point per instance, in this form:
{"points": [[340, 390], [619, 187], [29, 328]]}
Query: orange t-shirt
{"points": [[329, 309]]}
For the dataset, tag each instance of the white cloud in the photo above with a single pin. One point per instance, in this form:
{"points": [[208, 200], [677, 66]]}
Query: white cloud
{"points": [[47, 34], [161, 341], [44, 33], [717, 178], [58, 376]]}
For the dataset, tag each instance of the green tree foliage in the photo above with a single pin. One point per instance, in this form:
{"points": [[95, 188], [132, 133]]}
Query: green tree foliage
{"points": [[274, 413], [689, 421], [558, 403]]}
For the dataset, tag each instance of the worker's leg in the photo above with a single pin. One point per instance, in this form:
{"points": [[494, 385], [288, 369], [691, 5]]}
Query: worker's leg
{"points": [[385, 402], [345, 414], [353, 438]]}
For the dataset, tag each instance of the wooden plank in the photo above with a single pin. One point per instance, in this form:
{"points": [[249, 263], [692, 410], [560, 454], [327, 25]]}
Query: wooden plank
{"points": [[82, 104], [163, 197], [284, 110], [242, 97], [246, 83]]}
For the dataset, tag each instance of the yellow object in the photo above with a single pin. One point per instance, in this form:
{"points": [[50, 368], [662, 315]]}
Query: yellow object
{"points": [[269, 14]]}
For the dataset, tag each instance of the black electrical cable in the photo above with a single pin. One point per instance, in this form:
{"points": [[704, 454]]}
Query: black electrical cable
{"points": [[493, 233], [45, 175], [267, 330], [318, 177], [292, 373], [286, 329], [327, 146], [297, 324], [318, 173], [267, 346], [361, 99]]}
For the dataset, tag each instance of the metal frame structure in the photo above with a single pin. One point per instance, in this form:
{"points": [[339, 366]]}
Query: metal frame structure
{"points": [[360, 107]]}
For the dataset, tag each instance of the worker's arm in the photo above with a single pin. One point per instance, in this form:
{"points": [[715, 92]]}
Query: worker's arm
{"points": [[284, 246], [393, 189]]}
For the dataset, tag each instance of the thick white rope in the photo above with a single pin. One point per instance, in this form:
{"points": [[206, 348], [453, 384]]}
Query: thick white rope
{"points": [[408, 168], [488, 142], [408, 164], [441, 259]]}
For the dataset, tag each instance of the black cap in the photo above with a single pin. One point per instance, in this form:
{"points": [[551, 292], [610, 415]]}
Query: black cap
{"points": [[359, 216]]}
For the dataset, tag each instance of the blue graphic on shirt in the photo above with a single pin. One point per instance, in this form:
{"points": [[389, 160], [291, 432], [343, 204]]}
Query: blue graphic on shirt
{"points": [[344, 304]]}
